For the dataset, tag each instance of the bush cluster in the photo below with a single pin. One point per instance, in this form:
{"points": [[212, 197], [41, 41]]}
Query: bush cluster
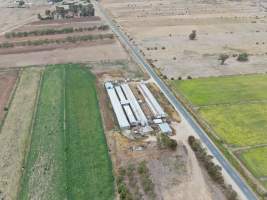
{"points": [[146, 181], [54, 31], [122, 187], [213, 170], [6, 45], [69, 39], [165, 142], [243, 57]]}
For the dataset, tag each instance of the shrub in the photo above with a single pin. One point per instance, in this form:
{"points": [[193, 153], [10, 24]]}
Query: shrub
{"points": [[6, 45], [243, 57], [223, 58], [165, 142], [193, 35]]}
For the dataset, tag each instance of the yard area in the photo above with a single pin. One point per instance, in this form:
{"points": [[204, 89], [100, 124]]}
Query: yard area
{"points": [[68, 158], [235, 107]]}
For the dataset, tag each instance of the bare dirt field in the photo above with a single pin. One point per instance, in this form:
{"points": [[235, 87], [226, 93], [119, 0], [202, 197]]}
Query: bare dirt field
{"points": [[15, 133], [92, 43], [80, 54], [7, 82], [161, 30], [11, 18]]}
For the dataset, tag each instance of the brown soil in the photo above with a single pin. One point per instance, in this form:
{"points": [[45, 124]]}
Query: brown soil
{"points": [[79, 54], [7, 82]]}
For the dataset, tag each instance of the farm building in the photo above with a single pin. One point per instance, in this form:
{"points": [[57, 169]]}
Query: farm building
{"points": [[141, 118], [129, 113], [116, 105], [153, 104]]}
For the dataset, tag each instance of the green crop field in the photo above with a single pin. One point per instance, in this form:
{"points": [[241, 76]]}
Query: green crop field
{"points": [[68, 158], [256, 160], [223, 90], [235, 107], [89, 167], [240, 124], [45, 175]]}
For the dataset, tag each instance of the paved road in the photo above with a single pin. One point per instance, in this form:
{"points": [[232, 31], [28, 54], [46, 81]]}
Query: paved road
{"points": [[179, 107]]}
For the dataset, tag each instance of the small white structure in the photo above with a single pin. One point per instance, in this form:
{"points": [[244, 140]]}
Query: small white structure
{"points": [[157, 121], [165, 128], [120, 115], [153, 104]]}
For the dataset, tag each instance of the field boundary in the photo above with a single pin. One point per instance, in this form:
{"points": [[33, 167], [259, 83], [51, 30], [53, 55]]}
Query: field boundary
{"points": [[33, 119], [230, 156], [10, 99]]}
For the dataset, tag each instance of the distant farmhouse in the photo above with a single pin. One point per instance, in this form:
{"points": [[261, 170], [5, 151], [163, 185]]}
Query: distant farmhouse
{"points": [[70, 9]]}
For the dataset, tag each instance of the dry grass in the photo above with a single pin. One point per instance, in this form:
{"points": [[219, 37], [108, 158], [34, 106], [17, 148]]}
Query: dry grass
{"points": [[15, 133]]}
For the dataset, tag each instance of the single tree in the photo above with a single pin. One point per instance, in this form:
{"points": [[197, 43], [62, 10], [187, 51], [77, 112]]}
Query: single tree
{"points": [[40, 16], [193, 35], [243, 57], [223, 58], [21, 3]]}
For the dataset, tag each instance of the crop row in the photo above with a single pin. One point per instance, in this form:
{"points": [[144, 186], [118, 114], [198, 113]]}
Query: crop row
{"points": [[69, 157]]}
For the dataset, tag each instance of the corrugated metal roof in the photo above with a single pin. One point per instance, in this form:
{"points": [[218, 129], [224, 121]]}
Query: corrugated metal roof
{"points": [[165, 128], [121, 117], [130, 114], [120, 93], [151, 101], [134, 104]]}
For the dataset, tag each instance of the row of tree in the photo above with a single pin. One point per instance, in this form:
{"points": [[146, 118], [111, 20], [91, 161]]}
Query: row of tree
{"points": [[213, 169], [69, 39], [54, 31]]}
